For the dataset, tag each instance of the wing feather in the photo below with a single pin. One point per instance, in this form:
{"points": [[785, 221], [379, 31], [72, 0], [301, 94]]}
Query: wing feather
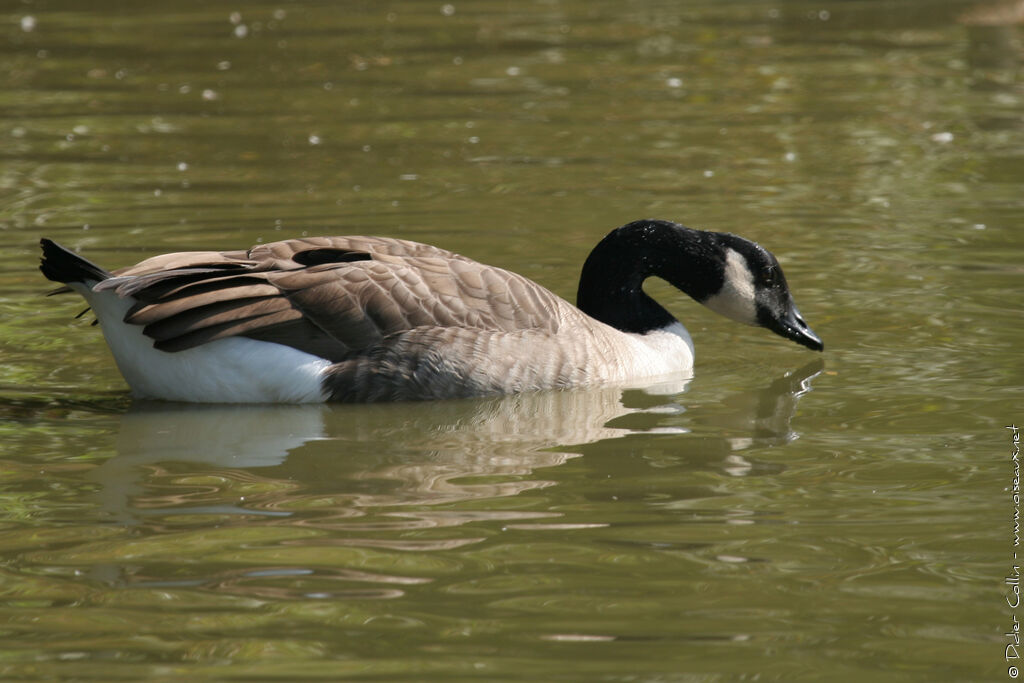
{"points": [[327, 295], [229, 297], [220, 313], [245, 327]]}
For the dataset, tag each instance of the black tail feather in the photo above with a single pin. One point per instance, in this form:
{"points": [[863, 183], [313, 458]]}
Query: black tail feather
{"points": [[61, 265]]}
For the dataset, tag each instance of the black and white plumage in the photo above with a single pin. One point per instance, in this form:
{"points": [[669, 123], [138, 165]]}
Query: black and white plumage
{"points": [[372, 318]]}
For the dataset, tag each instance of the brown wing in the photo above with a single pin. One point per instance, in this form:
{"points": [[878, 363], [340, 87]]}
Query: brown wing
{"points": [[327, 295]]}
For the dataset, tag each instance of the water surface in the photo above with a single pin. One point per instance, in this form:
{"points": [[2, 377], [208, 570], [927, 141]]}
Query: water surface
{"points": [[784, 516]]}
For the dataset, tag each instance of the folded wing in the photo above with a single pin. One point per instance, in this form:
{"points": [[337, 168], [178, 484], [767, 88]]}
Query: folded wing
{"points": [[329, 296]]}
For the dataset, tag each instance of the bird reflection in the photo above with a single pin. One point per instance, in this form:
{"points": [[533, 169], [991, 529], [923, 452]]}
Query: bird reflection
{"points": [[314, 502], [993, 32], [395, 465]]}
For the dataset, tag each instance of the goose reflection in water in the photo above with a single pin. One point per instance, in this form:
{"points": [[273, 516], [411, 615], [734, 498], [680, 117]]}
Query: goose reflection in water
{"points": [[315, 501], [363, 464]]}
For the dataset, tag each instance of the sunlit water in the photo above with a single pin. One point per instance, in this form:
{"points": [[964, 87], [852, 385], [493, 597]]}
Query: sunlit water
{"points": [[784, 516]]}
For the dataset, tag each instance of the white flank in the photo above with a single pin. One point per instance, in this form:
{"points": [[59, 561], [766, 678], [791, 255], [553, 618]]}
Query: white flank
{"points": [[232, 370], [737, 298]]}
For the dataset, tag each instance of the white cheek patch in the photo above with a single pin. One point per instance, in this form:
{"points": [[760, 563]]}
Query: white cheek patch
{"points": [[737, 298]]}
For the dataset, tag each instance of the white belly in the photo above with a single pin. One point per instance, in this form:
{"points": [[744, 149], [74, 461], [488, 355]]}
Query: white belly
{"points": [[232, 370]]}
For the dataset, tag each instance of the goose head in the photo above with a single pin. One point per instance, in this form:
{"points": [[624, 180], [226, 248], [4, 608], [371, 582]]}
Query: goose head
{"points": [[753, 291], [729, 274]]}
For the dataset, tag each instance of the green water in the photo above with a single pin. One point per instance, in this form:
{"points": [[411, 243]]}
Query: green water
{"points": [[785, 516]]}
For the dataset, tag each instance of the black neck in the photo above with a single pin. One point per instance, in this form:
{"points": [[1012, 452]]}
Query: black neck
{"points": [[613, 275]]}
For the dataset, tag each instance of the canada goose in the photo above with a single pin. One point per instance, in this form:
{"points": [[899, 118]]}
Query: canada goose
{"points": [[375, 319]]}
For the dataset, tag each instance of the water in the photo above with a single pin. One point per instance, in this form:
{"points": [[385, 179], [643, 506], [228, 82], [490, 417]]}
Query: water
{"points": [[784, 516]]}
